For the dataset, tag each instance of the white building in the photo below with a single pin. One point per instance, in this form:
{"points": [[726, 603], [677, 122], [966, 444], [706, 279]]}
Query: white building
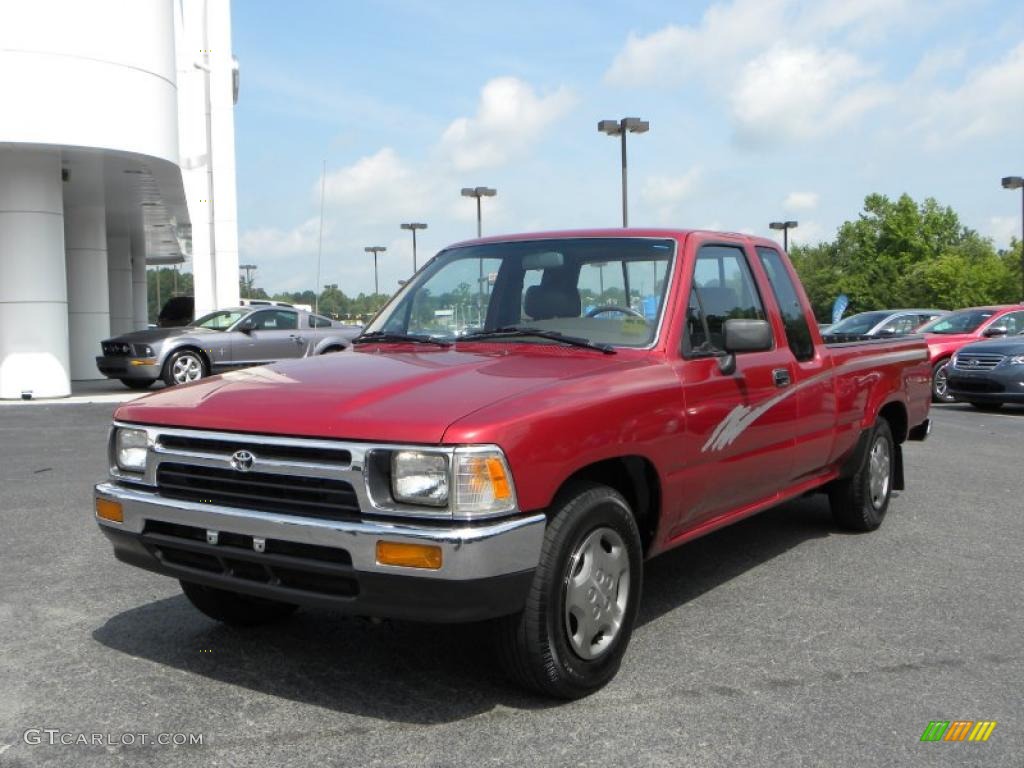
{"points": [[116, 151]]}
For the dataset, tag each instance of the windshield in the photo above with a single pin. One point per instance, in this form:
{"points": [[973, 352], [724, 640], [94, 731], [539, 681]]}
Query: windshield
{"points": [[220, 320], [966, 321], [859, 324], [603, 290]]}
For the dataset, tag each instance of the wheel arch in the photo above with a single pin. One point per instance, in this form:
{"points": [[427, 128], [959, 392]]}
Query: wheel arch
{"points": [[191, 347], [636, 478]]}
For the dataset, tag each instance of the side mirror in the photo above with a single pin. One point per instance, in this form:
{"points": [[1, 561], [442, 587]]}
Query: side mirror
{"points": [[747, 336], [743, 336], [247, 326], [997, 330]]}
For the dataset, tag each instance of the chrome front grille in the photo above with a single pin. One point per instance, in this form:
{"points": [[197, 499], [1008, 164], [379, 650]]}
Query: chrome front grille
{"points": [[977, 361]]}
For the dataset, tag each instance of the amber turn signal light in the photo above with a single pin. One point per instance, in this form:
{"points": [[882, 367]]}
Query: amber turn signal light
{"points": [[109, 510], [409, 555]]}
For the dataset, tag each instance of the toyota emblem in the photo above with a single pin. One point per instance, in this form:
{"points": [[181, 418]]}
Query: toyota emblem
{"points": [[242, 460]]}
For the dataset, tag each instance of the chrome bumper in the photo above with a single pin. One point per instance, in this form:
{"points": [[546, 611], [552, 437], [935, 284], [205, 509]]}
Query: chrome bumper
{"points": [[469, 551]]}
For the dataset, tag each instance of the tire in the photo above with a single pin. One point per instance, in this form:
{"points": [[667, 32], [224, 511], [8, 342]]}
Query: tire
{"points": [[547, 647], [138, 383], [184, 366], [940, 387], [986, 406], [331, 350], [235, 609], [859, 503]]}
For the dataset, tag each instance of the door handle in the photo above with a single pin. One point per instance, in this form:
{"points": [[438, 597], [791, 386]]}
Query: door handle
{"points": [[781, 377]]}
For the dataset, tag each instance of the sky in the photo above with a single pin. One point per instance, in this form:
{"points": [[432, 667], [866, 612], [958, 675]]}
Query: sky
{"points": [[759, 110]]}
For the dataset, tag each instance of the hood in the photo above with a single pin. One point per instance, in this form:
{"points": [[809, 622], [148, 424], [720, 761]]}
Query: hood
{"points": [[364, 394], [150, 335], [1011, 345]]}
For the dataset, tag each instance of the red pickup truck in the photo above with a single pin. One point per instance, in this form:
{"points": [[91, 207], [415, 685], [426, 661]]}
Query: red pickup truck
{"points": [[527, 421]]}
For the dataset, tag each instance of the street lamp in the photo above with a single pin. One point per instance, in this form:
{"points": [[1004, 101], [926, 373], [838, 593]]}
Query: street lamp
{"points": [[375, 249], [621, 128], [412, 227], [478, 192], [248, 269], [1017, 182], [785, 226]]}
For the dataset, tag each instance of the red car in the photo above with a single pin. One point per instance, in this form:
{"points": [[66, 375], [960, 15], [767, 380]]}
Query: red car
{"points": [[948, 334], [527, 421]]}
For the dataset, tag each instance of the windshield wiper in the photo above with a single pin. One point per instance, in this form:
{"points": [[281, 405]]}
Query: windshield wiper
{"points": [[385, 336], [516, 331]]}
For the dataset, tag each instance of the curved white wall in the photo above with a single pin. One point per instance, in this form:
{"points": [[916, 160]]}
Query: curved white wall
{"points": [[33, 296], [90, 74]]}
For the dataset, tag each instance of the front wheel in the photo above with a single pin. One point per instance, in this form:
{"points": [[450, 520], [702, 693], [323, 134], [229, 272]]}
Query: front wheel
{"points": [[940, 383], [184, 366], [859, 503], [569, 639], [234, 608]]}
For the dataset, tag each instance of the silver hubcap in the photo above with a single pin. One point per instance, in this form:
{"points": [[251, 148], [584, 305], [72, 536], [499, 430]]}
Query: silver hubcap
{"points": [[879, 472], [187, 368], [596, 592], [941, 385]]}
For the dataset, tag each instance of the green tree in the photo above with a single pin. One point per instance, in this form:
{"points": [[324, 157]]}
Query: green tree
{"points": [[900, 253]]}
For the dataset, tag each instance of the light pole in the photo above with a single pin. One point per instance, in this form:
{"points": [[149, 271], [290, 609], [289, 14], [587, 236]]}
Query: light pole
{"points": [[785, 226], [621, 128], [412, 227], [1017, 182], [478, 192], [320, 240], [248, 269], [375, 249]]}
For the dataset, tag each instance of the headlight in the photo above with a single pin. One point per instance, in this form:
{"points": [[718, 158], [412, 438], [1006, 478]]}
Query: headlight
{"points": [[419, 478], [483, 482], [130, 447], [1017, 360], [143, 350]]}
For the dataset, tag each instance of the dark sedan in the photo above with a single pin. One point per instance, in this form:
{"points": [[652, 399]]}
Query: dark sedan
{"points": [[220, 341], [988, 374]]}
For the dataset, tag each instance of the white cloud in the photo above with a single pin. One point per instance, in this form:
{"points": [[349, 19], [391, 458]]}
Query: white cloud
{"points": [[987, 103], [792, 93], [272, 241], [800, 201], [376, 185], [809, 83], [663, 195], [1002, 229], [509, 117]]}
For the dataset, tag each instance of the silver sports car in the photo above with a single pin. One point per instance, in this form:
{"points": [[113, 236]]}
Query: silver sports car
{"points": [[220, 341]]}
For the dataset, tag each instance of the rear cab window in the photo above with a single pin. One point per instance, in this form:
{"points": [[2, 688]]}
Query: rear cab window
{"points": [[798, 330]]}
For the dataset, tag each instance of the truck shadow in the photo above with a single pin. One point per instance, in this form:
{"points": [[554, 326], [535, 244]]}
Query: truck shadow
{"points": [[419, 673]]}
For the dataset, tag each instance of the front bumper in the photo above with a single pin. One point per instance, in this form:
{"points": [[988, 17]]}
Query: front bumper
{"points": [[119, 367], [1002, 385], [486, 568]]}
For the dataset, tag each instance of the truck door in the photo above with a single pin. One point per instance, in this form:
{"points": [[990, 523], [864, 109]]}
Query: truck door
{"points": [[812, 383], [738, 430]]}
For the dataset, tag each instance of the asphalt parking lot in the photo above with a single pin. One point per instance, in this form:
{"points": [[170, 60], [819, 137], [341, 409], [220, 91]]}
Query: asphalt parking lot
{"points": [[779, 641]]}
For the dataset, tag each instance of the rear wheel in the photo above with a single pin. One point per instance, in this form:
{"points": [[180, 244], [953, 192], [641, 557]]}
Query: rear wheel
{"points": [[859, 503], [184, 366], [570, 638], [138, 383], [234, 608], [940, 383], [986, 406]]}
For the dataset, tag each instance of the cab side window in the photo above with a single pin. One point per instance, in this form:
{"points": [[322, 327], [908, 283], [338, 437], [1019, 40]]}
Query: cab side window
{"points": [[798, 331], [723, 289], [1013, 323]]}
